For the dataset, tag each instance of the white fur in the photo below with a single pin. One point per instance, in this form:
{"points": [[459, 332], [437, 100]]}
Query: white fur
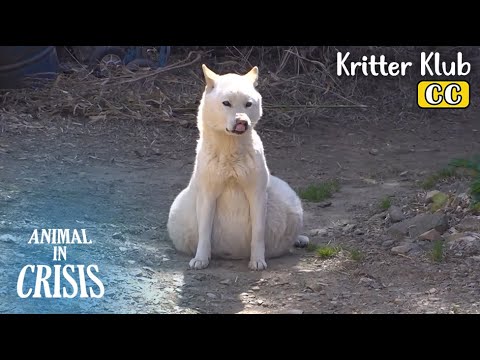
{"points": [[232, 207]]}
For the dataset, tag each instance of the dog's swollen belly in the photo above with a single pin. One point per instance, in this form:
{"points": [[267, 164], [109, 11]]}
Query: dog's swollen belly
{"points": [[232, 226]]}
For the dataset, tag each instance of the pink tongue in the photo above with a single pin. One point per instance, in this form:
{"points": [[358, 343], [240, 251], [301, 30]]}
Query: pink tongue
{"points": [[240, 127]]}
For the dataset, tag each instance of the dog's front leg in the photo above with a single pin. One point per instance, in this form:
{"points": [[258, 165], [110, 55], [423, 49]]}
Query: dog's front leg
{"points": [[206, 204], [258, 209]]}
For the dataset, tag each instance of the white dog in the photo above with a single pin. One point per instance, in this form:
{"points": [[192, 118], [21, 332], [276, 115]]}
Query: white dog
{"points": [[233, 208]]}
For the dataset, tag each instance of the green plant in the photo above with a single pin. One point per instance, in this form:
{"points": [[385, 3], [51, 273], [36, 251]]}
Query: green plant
{"points": [[473, 166], [476, 208], [437, 251], [311, 247], [356, 255], [327, 251], [385, 203], [445, 173], [319, 192], [438, 201]]}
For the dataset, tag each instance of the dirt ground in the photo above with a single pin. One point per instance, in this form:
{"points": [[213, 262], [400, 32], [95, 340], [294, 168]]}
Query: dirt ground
{"points": [[118, 179]]}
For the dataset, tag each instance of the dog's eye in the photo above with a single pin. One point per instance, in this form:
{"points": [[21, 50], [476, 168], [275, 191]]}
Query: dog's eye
{"points": [[227, 103], [248, 104]]}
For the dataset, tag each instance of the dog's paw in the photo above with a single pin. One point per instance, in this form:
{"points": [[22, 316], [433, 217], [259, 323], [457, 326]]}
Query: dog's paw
{"points": [[257, 264], [302, 241], [198, 264]]}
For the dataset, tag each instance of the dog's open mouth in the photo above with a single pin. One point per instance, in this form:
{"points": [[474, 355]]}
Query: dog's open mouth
{"points": [[239, 129]]}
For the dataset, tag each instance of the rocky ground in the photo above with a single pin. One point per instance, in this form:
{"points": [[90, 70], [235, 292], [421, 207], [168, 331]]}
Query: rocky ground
{"points": [[380, 244]]}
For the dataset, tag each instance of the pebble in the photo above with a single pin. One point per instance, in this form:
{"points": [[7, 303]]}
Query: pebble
{"points": [[402, 249], [118, 236], [292, 311]]}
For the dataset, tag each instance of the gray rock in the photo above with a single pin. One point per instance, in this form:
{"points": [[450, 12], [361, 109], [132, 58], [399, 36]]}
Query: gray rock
{"points": [[225, 282], [359, 232], [292, 311], [316, 232], [373, 152], [8, 238], [136, 272], [430, 235], [469, 223], [396, 214], [402, 249], [468, 244], [419, 224], [324, 204], [211, 296], [388, 243], [118, 236]]}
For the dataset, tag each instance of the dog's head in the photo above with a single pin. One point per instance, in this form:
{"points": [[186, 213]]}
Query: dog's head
{"points": [[231, 102]]}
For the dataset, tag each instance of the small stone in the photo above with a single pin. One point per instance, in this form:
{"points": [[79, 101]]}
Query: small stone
{"points": [[244, 294], [256, 288], [292, 311], [396, 214], [324, 204], [430, 195], [225, 282], [118, 236], [402, 249], [211, 296], [121, 248], [316, 232], [131, 262], [365, 280], [468, 244], [430, 235], [404, 173], [359, 232], [8, 238], [432, 291], [388, 243], [373, 152], [137, 272], [349, 227], [259, 302], [469, 223]]}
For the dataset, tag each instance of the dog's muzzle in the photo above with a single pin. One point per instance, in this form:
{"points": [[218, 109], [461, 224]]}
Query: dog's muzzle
{"points": [[241, 125]]}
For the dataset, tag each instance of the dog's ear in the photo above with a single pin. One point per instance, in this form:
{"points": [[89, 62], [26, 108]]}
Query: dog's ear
{"points": [[252, 75], [210, 77]]}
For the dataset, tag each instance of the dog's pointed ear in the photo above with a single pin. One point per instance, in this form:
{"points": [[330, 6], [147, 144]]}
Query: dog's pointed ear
{"points": [[210, 77], [252, 75]]}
